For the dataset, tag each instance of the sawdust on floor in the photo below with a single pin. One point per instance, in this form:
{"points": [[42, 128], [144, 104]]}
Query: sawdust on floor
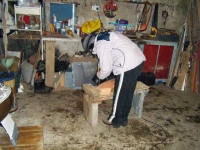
{"points": [[170, 121]]}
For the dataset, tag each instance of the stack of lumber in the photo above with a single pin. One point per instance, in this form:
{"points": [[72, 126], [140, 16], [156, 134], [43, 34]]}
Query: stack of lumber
{"points": [[185, 73]]}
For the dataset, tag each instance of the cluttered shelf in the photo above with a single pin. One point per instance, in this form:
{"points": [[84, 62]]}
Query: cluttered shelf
{"points": [[25, 35], [46, 36], [58, 36]]}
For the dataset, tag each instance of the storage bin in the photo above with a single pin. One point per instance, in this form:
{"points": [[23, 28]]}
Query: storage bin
{"points": [[68, 79], [121, 28], [82, 73], [28, 73]]}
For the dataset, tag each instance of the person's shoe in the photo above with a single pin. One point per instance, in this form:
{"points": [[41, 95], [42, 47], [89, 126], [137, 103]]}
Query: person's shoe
{"points": [[105, 121], [124, 123], [116, 125]]}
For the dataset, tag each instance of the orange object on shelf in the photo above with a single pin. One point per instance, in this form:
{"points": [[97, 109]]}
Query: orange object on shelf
{"points": [[52, 28]]}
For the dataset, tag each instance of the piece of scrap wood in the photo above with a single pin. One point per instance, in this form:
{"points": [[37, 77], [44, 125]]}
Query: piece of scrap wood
{"points": [[59, 80], [184, 68], [107, 87], [141, 86], [91, 90], [30, 138]]}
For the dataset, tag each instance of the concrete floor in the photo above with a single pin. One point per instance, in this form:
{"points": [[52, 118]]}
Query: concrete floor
{"points": [[169, 116]]}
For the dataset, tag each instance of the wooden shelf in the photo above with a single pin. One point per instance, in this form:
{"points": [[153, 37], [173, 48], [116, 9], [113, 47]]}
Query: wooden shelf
{"points": [[23, 10]]}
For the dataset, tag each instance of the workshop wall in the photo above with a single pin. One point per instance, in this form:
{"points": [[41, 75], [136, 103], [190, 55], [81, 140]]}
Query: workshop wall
{"points": [[176, 9]]}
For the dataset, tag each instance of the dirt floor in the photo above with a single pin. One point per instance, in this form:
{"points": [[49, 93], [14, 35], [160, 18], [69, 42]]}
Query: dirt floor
{"points": [[170, 121]]}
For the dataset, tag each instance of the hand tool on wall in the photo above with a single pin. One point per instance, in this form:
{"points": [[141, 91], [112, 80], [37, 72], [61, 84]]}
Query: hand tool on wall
{"points": [[144, 18], [164, 15], [153, 32]]}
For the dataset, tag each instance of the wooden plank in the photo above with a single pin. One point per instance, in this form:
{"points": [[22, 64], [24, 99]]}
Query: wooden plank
{"points": [[85, 105], [194, 87], [106, 88], [58, 79], [60, 83], [84, 59], [90, 110], [175, 69], [30, 138], [5, 38], [109, 86], [184, 68], [106, 97], [50, 63], [27, 36], [141, 86], [91, 90]]}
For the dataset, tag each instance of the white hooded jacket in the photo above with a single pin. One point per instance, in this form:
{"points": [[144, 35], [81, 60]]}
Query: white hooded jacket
{"points": [[119, 55]]}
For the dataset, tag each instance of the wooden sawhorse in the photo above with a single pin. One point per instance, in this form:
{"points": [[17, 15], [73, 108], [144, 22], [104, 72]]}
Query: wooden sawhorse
{"points": [[93, 96]]}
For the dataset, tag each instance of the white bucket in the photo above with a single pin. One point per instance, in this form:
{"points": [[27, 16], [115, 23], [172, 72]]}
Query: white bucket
{"points": [[27, 70]]}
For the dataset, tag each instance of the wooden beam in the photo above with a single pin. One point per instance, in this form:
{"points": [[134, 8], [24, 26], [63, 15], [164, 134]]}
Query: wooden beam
{"points": [[50, 63], [107, 88], [5, 38], [58, 79], [183, 70], [91, 90], [90, 110]]}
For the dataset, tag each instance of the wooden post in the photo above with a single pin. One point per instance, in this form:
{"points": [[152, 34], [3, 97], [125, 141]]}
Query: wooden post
{"points": [[90, 110], [50, 63], [5, 38]]}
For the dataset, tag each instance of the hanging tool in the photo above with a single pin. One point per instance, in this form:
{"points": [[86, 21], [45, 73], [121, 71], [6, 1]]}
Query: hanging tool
{"points": [[164, 15], [153, 32], [144, 18]]}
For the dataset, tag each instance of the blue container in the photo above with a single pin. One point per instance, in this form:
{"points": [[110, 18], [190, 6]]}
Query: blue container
{"points": [[6, 76], [122, 21]]}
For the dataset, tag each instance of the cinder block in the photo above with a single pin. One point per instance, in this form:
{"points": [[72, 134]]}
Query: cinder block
{"points": [[138, 100]]}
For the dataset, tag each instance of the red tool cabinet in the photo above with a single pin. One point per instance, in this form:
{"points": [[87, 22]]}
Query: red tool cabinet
{"points": [[160, 57]]}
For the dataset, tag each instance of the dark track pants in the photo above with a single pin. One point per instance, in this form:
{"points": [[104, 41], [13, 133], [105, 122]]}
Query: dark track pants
{"points": [[123, 95]]}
